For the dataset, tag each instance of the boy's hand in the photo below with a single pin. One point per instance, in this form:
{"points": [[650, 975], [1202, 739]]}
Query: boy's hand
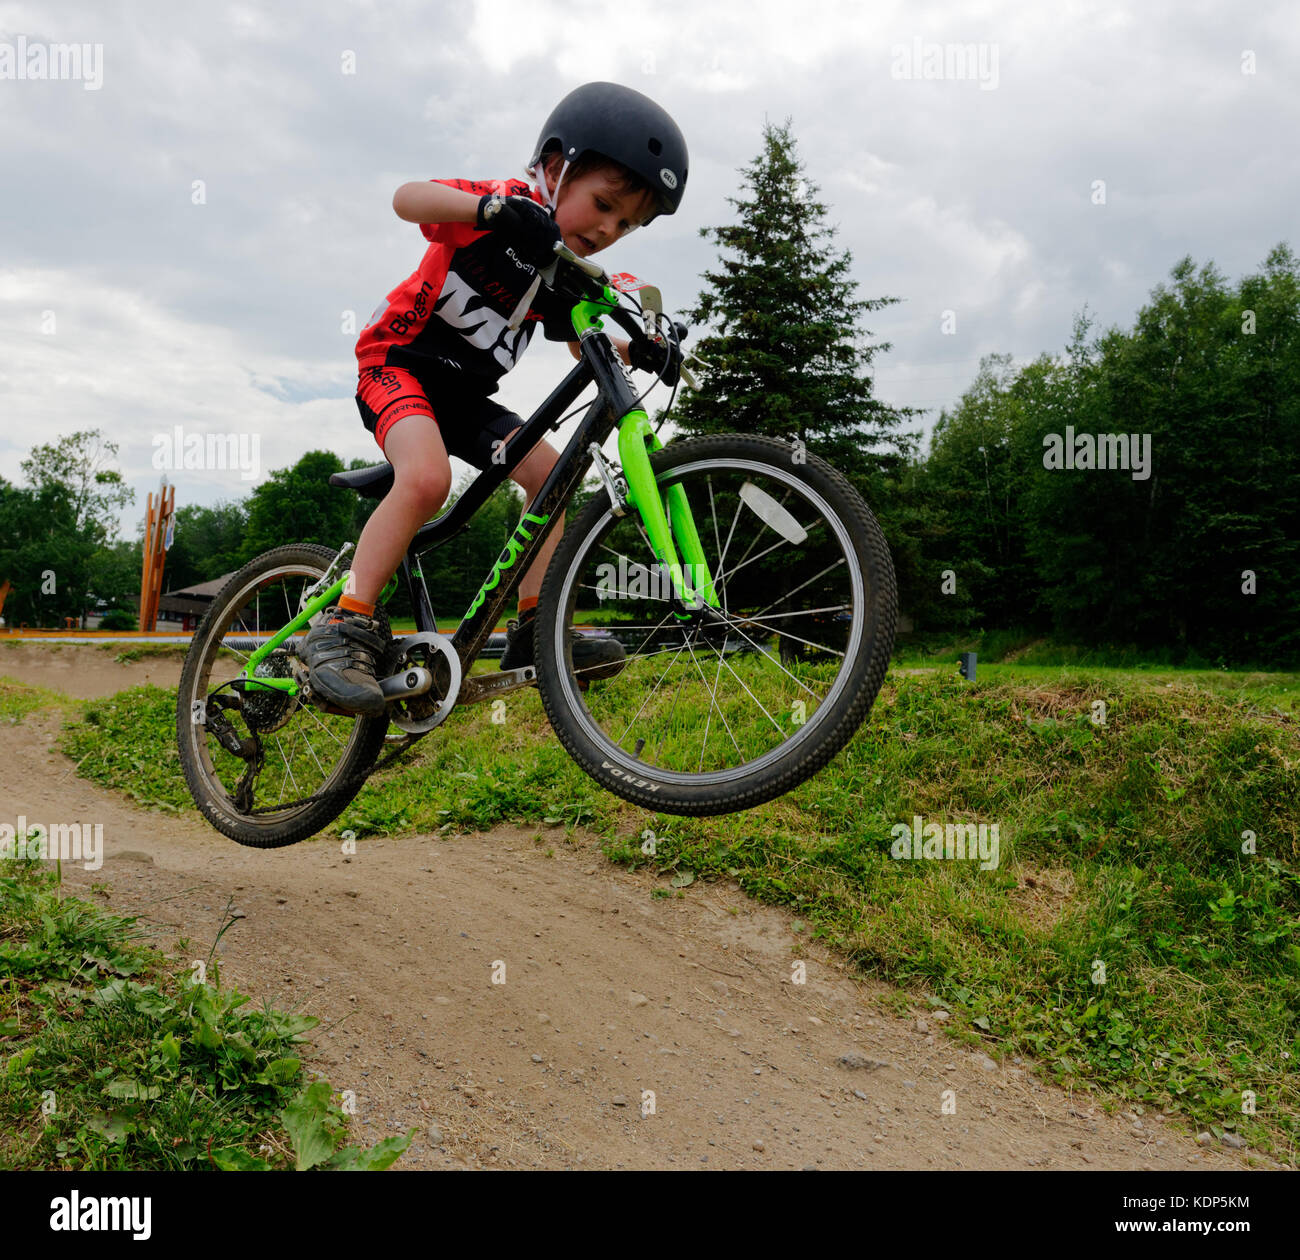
{"points": [[661, 357], [528, 226]]}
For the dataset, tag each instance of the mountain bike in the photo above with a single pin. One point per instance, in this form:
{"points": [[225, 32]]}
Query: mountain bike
{"points": [[749, 584]]}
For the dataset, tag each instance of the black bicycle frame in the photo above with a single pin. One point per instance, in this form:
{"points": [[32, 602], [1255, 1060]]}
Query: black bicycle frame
{"points": [[614, 400]]}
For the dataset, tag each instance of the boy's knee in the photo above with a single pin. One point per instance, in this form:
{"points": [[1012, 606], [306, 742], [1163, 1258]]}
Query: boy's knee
{"points": [[429, 487]]}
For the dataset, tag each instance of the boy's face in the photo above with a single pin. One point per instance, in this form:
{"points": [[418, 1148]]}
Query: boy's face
{"points": [[593, 211]]}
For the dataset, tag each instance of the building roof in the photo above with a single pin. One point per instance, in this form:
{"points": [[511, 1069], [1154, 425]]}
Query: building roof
{"points": [[204, 590]]}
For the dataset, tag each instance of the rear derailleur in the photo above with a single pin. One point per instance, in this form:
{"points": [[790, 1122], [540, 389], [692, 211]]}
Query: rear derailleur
{"points": [[248, 750]]}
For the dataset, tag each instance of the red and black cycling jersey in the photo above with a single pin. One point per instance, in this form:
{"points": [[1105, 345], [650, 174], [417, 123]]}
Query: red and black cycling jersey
{"points": [[450, 315]]}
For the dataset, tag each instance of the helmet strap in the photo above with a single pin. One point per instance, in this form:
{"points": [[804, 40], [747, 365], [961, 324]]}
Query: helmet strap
{"points": [[539, 174]]}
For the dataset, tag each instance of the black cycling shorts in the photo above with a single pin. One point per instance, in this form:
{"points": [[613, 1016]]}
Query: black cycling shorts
{"points": [[470, 423]]}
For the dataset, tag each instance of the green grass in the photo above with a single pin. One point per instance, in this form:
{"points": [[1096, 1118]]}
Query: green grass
{"points": [[140, 651], [18, 699], [1121, 845], [113, 1056]]}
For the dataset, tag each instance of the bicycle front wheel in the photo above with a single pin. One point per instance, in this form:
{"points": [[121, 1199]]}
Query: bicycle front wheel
{"points": [[715, 711]]}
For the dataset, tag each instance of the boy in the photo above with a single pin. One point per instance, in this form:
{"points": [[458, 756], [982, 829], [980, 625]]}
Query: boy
{"points": [[608, 160]]}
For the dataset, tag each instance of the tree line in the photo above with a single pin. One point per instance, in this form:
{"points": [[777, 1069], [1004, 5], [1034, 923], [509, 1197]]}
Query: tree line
{"points": [[61, 560], [1032, 508]]}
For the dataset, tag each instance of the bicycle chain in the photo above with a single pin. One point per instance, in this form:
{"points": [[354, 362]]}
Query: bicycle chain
{"points": [[320, 796]]}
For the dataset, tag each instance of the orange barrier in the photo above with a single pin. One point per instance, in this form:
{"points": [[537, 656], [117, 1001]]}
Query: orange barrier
{"points": [[24, 633]]}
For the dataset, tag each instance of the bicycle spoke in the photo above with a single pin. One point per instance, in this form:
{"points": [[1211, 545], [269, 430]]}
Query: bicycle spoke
{"points": [[650, 697], [713, 694], [303, 708], [753, 618], [718, 585], [801, 585], [733, 625], [761, 554], [754, 541], [752, 696]]}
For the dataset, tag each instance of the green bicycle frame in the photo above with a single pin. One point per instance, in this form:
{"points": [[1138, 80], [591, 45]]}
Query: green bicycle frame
{"points": [[311, 608]]}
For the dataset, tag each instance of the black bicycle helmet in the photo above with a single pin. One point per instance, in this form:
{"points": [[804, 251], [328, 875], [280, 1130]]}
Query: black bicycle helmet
{"points": [[620, 123]]}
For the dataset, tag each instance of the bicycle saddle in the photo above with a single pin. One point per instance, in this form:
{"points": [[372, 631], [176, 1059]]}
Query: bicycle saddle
{"points": [[370, 483]]}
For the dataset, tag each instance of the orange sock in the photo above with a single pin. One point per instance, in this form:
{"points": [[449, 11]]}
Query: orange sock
{"points": [[355, 605], [527, 604]]}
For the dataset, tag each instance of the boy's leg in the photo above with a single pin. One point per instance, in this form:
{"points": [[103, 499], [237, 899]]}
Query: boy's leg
{"points": [[421, 483], [530, 476], [343, 651]]}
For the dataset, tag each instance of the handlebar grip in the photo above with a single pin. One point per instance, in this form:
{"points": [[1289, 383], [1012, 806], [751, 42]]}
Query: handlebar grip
{"points": [[594, 270]]}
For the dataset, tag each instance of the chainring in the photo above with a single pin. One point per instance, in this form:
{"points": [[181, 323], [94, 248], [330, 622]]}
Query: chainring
{"points": [[435, 653]]}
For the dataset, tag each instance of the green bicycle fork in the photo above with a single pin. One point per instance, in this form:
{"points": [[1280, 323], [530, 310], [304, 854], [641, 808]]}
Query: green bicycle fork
{"points": [[634, 435]]}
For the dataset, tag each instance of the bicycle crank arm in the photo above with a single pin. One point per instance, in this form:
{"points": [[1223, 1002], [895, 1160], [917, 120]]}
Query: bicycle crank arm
{"points": [[487, 686], [410, 682]]}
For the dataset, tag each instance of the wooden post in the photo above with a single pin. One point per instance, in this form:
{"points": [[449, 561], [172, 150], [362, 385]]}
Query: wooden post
{"points": [[157, 518]]}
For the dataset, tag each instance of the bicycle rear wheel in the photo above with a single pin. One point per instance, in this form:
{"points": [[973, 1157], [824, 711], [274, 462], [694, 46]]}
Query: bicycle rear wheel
{"points": [[312, 762], [715, 712]]}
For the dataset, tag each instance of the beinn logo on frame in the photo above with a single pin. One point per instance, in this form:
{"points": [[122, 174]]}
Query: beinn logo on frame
{"points": [[23, 60]]}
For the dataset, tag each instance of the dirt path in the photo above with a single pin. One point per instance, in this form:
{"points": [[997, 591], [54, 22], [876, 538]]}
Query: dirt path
{"points": [[609, 996]]}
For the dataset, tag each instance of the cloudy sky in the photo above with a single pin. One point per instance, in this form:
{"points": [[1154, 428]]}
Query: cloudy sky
{"points": [[131, 302]]}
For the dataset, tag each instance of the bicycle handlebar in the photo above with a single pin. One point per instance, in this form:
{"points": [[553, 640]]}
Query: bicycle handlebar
{"points": [[624, 318]]}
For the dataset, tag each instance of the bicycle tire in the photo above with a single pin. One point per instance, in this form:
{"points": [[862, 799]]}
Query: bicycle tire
{"points": [[353, 767], [610, 766]]}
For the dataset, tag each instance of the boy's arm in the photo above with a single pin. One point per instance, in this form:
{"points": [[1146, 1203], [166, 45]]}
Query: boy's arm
{"points": [[431, 202]]}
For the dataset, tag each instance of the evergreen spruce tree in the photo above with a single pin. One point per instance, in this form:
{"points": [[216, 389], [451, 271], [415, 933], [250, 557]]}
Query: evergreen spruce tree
{"points": [[788, 358]]}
